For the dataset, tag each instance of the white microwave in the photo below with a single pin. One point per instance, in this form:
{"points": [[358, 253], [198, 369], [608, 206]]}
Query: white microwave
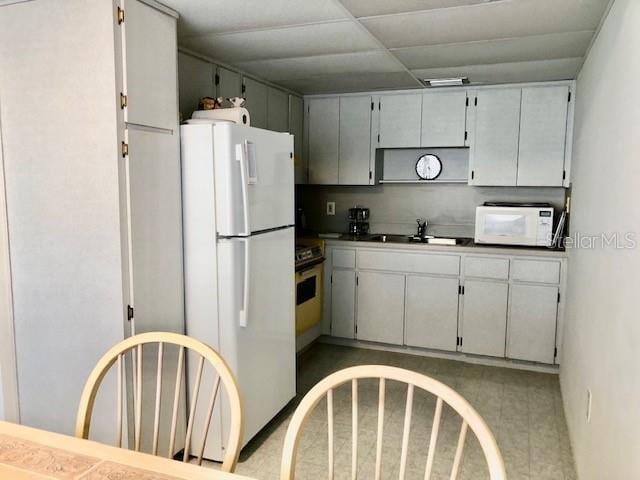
{"points": [[514, 224]]}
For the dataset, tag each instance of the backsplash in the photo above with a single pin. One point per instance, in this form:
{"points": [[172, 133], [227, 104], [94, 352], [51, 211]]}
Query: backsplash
{"points": [[449, 208]]}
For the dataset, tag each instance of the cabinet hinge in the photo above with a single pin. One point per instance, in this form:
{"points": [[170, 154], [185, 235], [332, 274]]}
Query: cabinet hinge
{"points": [[461, 289], [331, 281], [460, 341], [356, 329], [472, 174], [370, 174], [123, 101], [466, 135], [558, 297], [555, 352], [372, 106], [457, 341], [475, 102], [129, 312], [467, 102], [379, 105], [125, 149], [357, 282], [378, 138], [120, 16], [564, 174], [244, 88], [569, 97], [217, 79]]}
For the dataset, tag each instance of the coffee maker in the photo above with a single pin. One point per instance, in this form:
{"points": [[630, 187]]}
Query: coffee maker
{"points": [[358, 221]]}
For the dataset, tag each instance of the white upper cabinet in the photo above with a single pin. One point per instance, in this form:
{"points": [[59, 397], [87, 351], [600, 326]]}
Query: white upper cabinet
{"points": [[278, 110], [494, 149], [228, 83], [195, 80], [296, 128], [444, 119], [355, 141], [400, 117], [150, 79], [256, 94], [543, 135], [323, 124]]}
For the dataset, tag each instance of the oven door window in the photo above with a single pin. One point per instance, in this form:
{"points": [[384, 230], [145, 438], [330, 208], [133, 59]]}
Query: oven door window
{"points": [[306, 290], [505, 225]]}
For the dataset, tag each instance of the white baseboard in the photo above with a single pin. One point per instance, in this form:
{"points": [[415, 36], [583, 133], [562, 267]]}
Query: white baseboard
{"points": [[458, 356]]}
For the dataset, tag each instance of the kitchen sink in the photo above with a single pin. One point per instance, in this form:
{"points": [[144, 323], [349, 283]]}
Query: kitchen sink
{"points": [[413, 239]]}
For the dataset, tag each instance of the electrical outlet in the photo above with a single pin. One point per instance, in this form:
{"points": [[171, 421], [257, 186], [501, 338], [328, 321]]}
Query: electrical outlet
{"points": [[331, 208], [589, 401]]}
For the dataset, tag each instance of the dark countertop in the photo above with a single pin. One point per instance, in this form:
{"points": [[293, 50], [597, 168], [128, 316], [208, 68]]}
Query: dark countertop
{"points": [[464, 245]]}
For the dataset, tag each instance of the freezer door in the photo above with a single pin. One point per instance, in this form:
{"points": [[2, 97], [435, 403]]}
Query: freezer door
{"points": [[253, 179], [257, 322]]}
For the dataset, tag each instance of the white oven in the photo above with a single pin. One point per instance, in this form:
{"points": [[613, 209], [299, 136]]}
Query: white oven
{"points": [[514, 224]]}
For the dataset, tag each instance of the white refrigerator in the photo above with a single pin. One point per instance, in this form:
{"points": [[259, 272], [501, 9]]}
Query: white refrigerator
{"points": [[238, 215]]}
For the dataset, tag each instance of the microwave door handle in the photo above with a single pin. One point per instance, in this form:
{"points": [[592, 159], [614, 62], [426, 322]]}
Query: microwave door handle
{"points": [[244, 311], [241, 156]]}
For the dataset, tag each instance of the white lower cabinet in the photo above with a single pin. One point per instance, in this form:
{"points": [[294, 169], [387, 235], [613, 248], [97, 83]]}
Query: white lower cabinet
{"points": [[484, 322], [431, 316], [508, 306], [532, 323], [343, 306], [380, 307]]}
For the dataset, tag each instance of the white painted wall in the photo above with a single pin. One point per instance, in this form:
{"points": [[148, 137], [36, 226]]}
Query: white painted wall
{"points": [[601, 350]]}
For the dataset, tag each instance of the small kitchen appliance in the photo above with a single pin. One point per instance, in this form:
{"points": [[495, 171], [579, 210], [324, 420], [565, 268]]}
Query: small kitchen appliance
{"points": [[358, 220], [501, 223]]}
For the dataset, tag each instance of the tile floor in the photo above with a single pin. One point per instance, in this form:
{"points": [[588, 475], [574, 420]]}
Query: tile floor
{"points": [[523, 409]]}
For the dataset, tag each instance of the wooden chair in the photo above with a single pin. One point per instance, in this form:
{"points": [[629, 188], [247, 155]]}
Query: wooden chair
{"points": [[134, 344], [444, 394]]}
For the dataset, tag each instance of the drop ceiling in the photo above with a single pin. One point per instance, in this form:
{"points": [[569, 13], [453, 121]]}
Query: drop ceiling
{"points": [[326, 46]]}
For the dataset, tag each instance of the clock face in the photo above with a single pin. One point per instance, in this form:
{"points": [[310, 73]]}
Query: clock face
{"points": [[428, 167]]}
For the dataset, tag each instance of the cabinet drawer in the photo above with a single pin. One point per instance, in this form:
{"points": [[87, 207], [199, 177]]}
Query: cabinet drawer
{"points": [[409, 262], [484, 267], [343, 258], [540, 271]]}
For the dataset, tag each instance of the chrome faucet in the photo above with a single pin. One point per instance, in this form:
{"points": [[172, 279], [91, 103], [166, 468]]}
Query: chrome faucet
{"points": [[422, 228]]}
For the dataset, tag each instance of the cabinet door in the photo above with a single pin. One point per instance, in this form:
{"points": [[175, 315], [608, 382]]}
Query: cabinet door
{"points": [[343, 298], [533, 311], [296, 128], [228, 83], [444, 119], [155, 213], [485, 318], [323, 134], [150, 66], [380, 307], [278, 110], [431, 318], [195, 80], [256, 94], [543, 132], [355, 140], [400, 117], [494, 146]]}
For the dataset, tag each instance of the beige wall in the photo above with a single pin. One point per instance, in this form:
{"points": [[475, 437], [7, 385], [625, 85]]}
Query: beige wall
{"points": [[602, 339]]}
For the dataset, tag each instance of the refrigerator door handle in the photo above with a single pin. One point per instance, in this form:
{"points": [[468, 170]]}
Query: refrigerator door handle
{"points": [[244, 312], [241, 156]]}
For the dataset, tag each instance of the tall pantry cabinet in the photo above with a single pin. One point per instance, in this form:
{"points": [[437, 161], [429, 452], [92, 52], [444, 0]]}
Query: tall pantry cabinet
{"points": [[90, 151]]}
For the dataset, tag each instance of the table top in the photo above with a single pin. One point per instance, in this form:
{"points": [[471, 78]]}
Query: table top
{"points": [[29, 453]]}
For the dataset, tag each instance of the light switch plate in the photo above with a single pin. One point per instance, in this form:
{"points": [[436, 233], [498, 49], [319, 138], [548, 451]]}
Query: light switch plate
{"points": [[331, 208]]}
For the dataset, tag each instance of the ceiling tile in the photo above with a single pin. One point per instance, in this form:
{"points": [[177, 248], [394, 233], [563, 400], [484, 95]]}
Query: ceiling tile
{"points": [[539, 47], [487, 21], [207, 16], [355, 82], [535, 71], [378, 61], [366, 8], [302, 41]]}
